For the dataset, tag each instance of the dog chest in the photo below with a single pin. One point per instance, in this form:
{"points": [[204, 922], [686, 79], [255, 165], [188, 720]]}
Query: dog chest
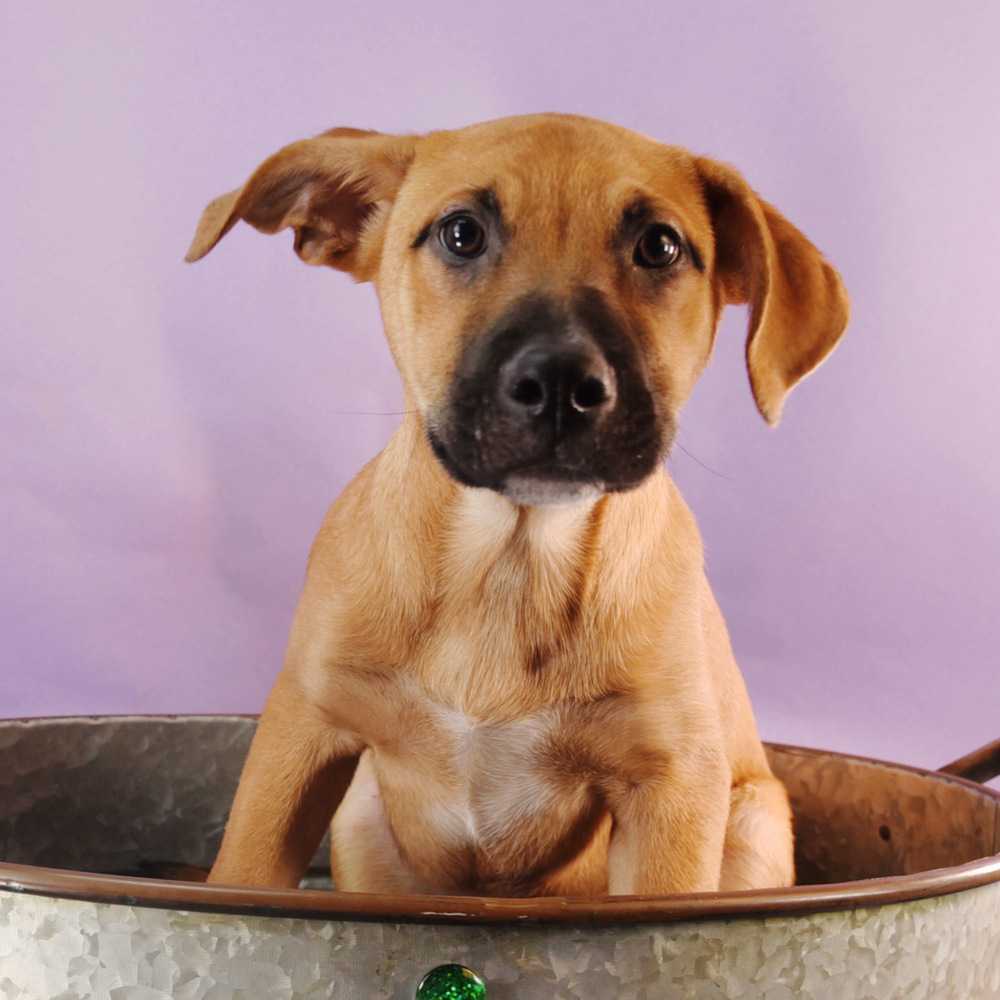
{"points": [[498, 775], [479, 797]]}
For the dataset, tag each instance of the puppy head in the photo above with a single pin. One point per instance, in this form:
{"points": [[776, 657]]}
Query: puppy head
{"points": [[550, 286]]}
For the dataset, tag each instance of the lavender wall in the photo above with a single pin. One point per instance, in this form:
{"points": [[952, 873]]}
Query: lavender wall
{"points": [[170, 436]]}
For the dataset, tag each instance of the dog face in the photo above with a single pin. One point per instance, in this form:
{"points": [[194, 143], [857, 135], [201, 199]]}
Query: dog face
{"points": [[565, 298], [550, 286]]}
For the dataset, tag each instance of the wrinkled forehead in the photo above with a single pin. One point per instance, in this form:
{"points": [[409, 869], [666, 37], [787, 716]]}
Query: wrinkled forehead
{"points": [[553, 170]]}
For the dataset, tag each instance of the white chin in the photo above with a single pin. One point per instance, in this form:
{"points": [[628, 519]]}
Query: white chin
{"points": [[530, 491]]}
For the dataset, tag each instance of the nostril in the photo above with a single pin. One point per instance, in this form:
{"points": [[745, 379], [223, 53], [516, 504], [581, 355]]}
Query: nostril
{"points": [[589, 394], [528, 391], [555, 379]]}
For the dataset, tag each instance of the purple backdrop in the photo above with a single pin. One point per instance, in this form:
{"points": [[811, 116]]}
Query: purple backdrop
{"points": [[170, 436]]}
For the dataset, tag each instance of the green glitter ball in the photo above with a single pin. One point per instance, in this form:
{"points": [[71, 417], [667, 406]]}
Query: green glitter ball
{"points": [[451, 982]]}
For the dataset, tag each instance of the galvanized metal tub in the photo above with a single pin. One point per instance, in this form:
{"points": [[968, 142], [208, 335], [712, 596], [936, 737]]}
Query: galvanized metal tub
{"points": [[900, 893]]}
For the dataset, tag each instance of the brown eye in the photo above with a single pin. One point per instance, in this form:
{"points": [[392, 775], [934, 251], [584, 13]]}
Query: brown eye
{"points": [[658, 247], [463, 235]]}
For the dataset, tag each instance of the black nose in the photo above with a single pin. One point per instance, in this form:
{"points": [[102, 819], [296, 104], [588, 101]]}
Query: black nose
{"points": [[561, 380]]}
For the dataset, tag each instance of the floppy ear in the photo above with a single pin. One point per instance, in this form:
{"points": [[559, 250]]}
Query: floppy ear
{"points": [[798, 305], [332, 190]]}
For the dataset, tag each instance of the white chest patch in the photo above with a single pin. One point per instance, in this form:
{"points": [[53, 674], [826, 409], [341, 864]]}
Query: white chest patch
{"points": [[504, 777]]}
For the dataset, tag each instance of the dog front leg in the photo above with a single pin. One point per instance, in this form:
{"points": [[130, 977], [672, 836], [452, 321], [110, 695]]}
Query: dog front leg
{"points": [[669, 833], [296, 773]]}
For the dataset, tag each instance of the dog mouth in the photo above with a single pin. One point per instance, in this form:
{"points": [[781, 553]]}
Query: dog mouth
{"points": [[552, 406], [536, 493], [551, 486], [543, 483]]}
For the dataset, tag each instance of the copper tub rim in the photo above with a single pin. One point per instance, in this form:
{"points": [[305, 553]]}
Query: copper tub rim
{"points": [[332, 904]]}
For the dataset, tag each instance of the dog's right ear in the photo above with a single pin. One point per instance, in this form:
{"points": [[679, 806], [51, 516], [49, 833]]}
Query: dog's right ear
{"points": [[332, 190]]}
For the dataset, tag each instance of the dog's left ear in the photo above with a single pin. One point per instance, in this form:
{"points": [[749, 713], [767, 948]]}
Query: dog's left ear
{"points": [[798, 305], [332, 190]]}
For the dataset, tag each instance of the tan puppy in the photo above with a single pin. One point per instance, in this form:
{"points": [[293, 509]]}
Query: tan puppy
{"points": [[507, 673]]}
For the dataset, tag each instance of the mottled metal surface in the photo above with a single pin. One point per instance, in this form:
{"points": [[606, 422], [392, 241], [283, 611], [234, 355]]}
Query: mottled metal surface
{"points": [[860, 819], [108, 795], [946, 948]]}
